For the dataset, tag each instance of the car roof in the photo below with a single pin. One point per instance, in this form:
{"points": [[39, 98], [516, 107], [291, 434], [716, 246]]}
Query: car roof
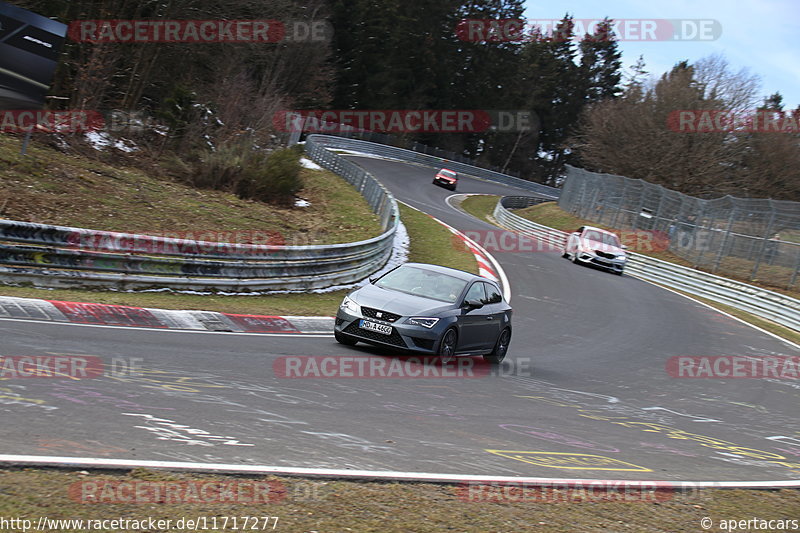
{"points": [[448, 170], [592, 228], [460, 274]]}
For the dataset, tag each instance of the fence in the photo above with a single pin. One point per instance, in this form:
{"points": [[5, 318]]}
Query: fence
{"points": [[741, 237], [766, 304], [57, 256]]}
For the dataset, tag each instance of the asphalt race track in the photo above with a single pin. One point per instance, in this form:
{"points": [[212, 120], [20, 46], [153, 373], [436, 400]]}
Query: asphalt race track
{"points": [[584, 391]]}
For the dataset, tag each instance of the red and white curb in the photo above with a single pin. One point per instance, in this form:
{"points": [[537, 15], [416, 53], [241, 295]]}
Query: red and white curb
{"points": [[163, 319]]}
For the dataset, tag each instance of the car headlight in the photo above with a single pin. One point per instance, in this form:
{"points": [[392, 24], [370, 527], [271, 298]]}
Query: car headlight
{"points": [[622, 258], [424, 321], [350, 306]]}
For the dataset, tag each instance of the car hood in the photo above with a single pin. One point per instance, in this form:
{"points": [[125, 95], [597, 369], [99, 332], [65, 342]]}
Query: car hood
{"points": [[589, 244], [397, 302]]}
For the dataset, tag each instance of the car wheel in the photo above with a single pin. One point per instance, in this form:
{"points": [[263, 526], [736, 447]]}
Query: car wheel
{"points": [[500, 348], [447, 346], [341, 338]]}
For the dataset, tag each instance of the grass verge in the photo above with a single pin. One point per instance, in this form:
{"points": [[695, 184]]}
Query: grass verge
{"points": [[433, 243], [480, 206], [50, 187], [371, 507]]}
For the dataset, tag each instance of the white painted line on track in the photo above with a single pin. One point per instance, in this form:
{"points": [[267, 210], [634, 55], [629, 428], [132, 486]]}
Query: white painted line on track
{"points": [[745, 322], [88, 462]]}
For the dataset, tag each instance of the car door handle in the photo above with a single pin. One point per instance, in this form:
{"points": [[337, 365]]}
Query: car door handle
{"points": [[490, 317]]}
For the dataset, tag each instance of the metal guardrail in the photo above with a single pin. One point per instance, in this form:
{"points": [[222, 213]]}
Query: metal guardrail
{"points": [[763, 303], [411, 156], [61, 257]]}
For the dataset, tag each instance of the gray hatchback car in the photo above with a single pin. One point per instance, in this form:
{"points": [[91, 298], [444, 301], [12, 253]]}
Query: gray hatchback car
{"points": [[428, 309]]}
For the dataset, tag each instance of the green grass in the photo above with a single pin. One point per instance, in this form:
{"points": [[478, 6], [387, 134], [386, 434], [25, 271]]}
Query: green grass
{"points": [[433, 243], [375, 507], [480, 206]]}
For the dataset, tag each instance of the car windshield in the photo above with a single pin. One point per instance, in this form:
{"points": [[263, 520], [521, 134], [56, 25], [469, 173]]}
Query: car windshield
{"points": [[448, 173], [423, 282], [602, 237]]}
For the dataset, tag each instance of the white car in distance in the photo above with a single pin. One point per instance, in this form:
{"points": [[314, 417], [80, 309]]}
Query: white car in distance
{"points": [[594, 246]]}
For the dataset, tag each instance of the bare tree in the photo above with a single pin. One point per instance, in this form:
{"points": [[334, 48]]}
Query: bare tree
{"points": [[632, 136]]}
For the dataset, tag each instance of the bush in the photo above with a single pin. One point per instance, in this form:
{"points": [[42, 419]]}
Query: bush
{"points": [[250, 173], [274, 178]]}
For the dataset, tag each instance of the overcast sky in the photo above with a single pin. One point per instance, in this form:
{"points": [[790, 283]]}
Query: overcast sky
{"points": [[760, 35]]}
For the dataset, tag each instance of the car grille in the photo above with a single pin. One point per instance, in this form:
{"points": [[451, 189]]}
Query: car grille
{"points": [[394, 339], [369, 312], [606, 255]]}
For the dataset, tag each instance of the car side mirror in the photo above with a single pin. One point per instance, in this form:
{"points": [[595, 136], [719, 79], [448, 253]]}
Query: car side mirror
{"points": [[624, 246], [372, 281], [473, 304]]}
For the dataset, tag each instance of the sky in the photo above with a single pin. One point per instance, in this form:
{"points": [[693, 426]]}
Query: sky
{"points": [[758, 35]]}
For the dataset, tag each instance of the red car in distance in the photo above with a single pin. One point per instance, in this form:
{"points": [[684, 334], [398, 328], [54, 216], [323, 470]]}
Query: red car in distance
{"points": [[446, 178]]}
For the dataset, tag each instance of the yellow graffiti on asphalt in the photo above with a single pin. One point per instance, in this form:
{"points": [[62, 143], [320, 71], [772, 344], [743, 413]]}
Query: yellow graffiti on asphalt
{"points": [[675, 433], [160, 379], [570, 461]]}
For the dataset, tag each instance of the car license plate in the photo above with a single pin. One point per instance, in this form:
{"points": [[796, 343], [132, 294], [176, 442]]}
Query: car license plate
{"points": [[378, 328]]}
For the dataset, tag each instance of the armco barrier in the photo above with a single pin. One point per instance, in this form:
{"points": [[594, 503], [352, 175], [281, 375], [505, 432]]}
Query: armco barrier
{"points": [[763, 303], [57, 256], [384, 150]]}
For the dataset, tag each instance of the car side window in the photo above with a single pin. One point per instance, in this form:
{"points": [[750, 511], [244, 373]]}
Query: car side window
{"points": [[476, 292], [492, 294]]}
